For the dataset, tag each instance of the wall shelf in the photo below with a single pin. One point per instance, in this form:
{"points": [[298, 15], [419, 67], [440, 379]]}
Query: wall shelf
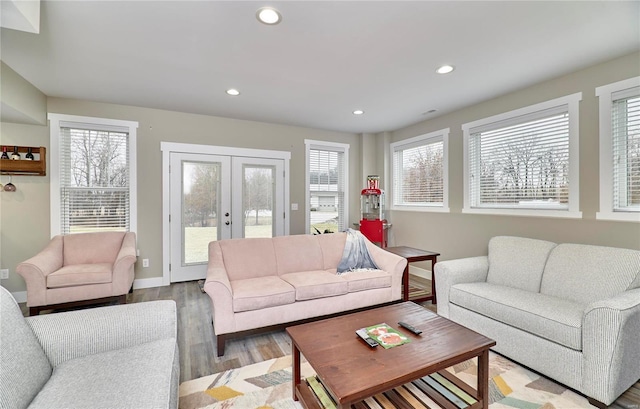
{"points": [[36, 167]]}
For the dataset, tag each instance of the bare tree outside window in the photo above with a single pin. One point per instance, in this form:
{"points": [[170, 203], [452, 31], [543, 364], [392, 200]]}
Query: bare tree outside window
{"points": [[422, 174], [201, 201], [258, 196], [96, 192], [524, 165]]}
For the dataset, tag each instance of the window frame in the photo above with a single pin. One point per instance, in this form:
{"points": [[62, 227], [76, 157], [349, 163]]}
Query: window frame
{"points": [[605, 95], [423, 140], [56, 121], [572, 103], [328, 146]]}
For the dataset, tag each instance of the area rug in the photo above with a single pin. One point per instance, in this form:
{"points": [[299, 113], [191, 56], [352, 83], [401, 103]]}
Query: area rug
{"points": [[267, 385]]}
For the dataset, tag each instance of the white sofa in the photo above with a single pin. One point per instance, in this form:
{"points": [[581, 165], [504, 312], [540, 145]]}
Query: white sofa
{"points": [[123, 356], [258, 283], [568, 311]]}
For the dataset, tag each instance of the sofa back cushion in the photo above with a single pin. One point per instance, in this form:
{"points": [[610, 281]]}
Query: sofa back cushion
{"points": [[518, 262], [332, 246], [24, 367], [248, 258], [298, 252], [585, 273], [90, 248]]}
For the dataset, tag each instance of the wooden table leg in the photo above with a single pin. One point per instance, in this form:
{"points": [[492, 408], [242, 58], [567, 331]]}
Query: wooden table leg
{"points": [[405, 284], [433, 281], [296, 369], [483, 379]]}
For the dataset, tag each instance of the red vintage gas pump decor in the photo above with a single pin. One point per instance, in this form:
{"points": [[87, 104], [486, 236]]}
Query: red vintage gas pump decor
{"points": [[372, 220]]}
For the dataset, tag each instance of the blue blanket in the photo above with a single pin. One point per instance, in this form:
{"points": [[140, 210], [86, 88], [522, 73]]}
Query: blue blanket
{"points": [[355, 255]]}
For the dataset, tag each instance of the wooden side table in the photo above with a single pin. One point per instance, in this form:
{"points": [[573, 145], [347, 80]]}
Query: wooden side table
{"points": [[412, 255]]}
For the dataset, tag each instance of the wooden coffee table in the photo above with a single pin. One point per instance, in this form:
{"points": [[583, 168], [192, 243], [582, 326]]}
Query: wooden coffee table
{"points": [[351, 371]]}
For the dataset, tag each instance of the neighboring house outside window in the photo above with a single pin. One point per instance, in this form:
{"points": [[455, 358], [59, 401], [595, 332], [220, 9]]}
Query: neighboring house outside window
{"points": [[420, 172], [93, 174], [524, 162], [327, 176], [620, 150]]}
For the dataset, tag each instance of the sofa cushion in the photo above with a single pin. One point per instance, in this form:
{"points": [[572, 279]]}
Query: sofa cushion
{"points": [[366, 280], [299, 252], [332, 246], [80, 274], [585, 273], [89, 248], [552, 318], [262, 292], [134, 377], [316, 284], [24, 367], [248, 258], [517, 262]]}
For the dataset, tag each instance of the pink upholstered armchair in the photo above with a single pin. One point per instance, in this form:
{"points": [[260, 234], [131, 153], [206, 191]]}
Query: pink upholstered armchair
{"points": [[79, 269]]}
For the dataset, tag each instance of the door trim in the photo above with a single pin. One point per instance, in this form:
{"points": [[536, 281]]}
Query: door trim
{"points": [[174, 147]]}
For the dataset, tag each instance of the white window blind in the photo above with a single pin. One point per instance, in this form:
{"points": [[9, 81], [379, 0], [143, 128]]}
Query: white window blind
{"points": [[419, 171], [521, 162], [625, 130], [94, 180], [93, 174], [327, 187]]}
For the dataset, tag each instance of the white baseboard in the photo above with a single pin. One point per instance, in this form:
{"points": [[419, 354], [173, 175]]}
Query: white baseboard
{"points": [[147, 283], [20, 296], [420, 272]]}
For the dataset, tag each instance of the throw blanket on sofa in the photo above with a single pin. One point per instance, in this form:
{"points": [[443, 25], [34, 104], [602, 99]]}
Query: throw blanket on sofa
{"points": [[355, 255]]}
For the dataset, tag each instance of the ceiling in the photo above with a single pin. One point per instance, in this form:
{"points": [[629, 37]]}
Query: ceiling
{"points": [[322, 62]]}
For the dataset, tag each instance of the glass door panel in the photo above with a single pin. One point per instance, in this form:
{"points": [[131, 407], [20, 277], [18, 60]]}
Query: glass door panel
{"points": [[258, 200], [200, 206], [200, 209], [258, 207]]}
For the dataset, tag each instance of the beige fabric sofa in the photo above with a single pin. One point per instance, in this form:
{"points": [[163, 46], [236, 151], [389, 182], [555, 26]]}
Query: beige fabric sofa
{"points": [[569, 311], [262, 282], [80, 269]]}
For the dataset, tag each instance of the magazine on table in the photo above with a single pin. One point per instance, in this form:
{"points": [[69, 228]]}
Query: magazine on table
{"points": [[387, 336]]}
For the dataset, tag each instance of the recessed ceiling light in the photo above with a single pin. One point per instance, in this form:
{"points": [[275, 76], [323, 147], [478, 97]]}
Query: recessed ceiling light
{"points": [[358, 112], [232, 91], [445, 69], [268, 15]]}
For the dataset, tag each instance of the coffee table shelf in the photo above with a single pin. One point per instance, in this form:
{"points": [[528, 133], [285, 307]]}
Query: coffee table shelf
{"points": [[308, 399]]}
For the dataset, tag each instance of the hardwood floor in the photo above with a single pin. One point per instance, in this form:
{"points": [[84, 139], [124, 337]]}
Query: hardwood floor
{"points": [[195, 334], [197, 347]]}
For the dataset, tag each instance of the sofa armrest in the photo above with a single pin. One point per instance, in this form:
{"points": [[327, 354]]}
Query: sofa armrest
{"points": [[123, 273], [74, 334], [36, 269], [218, 287], [392, 264], [610, 345], [451, 272]]}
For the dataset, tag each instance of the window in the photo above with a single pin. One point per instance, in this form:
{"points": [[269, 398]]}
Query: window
{"points": [[420, 172], [93, 174], [620, 150], [524, 162], [327, 186]]}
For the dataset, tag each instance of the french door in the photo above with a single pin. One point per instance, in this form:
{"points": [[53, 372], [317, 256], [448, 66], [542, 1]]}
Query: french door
{"points": [[214, 197]]}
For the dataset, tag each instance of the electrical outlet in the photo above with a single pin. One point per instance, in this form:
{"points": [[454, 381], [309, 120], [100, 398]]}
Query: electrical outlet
{"points": [[145, 262], [4, 274]]}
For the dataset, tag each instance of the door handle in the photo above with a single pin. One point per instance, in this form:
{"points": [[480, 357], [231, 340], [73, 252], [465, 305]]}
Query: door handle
{"points": [[227, 223], [227, 214]]}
